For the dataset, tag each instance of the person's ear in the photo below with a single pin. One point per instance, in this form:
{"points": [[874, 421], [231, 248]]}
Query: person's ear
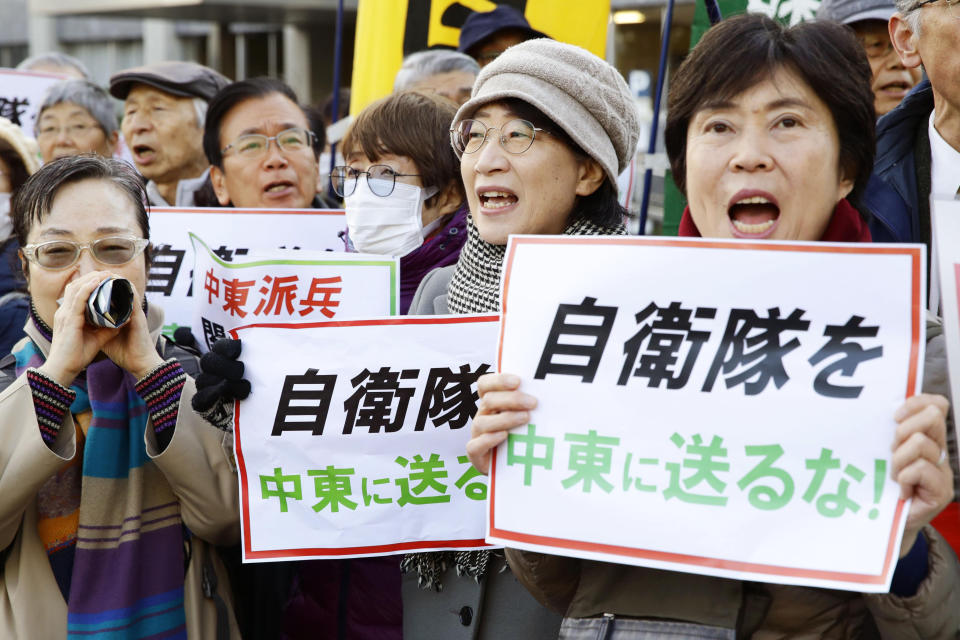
{"points": [[112, 141], [219, 182], [24, 265], [905, 41], [844, 187], [448, 200], [590, 177]]}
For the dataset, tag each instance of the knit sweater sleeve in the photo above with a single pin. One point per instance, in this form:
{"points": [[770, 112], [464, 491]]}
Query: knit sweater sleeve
{"points": [[160, 390], [51, 401]]}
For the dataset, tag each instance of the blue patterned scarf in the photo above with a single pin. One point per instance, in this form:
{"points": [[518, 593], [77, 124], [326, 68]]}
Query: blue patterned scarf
{"points": [[122, 571]]}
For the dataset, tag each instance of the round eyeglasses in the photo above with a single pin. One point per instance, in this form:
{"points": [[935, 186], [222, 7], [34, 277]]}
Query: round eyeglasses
{"points": [[952, 5], [61, 254], [254, 145], [516, 136], [380, 178]]}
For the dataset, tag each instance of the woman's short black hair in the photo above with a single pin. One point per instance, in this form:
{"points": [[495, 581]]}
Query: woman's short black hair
{"points": [[602, 207], [232, 95], [32, 202], [745, 50]]}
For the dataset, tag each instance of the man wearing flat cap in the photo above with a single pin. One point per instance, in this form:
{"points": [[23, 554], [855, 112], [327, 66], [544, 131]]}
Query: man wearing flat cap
{"points": [[868, 19], [918, 143], [165, 105]]}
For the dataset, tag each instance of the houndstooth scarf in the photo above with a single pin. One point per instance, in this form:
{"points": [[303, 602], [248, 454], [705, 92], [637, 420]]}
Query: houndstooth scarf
{"points": [[475, 288]]}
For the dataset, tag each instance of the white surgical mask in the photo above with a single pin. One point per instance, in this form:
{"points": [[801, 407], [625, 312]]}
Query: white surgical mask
{"points": [[390, 226], [6, 222]]}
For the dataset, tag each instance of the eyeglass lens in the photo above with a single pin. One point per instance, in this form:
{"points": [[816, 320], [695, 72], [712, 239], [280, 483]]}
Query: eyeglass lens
{"points": [[516, 136], [61, 254], [876, 48], [72, 130], [255, 144], [380, 179]]}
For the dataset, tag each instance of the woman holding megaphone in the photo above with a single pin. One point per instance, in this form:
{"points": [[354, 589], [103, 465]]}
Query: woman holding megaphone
{"points": [[111, 486]]}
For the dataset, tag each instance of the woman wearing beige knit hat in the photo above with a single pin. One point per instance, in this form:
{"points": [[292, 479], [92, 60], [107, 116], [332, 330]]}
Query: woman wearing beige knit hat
{"points": [[541, 141], [19, 158]]}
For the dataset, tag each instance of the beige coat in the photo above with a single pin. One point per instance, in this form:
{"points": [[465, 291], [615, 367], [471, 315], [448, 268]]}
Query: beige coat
{"points": [[198, 465]]}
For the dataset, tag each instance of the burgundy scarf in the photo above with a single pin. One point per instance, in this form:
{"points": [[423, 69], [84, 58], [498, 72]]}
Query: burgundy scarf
{"points": [[846, 225]]}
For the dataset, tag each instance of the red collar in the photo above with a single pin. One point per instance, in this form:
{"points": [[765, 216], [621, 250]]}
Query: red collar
{"points": [[846, 225]]}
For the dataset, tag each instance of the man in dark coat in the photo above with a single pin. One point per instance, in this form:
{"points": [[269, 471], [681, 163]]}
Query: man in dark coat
{"points": [[918, 143]]}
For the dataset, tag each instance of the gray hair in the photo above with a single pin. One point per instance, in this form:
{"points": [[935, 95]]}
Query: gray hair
{"points": [[54, 58], [200, 108], [908, 11], [94, 99], [424, 64]]}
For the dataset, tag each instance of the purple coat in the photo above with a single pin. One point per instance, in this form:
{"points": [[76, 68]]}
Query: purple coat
{"points": [[439, 250]]}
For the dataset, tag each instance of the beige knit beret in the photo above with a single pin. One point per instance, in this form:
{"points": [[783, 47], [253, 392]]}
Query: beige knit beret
{"points": [[12, 137], [582, 94]]}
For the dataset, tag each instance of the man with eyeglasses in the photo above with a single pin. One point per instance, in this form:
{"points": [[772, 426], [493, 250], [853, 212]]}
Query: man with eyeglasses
{"points": [[868, 19], [261, 147], [163, 114], [918, 143]]}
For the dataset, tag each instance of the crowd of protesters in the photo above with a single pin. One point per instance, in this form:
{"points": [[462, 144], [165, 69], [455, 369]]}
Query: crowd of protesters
{"points": [[513, 133]]}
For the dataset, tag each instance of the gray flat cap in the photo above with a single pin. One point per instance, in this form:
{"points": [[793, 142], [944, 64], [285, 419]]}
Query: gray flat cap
{"points": [[582, 94], [848, 11], [184, 79]]}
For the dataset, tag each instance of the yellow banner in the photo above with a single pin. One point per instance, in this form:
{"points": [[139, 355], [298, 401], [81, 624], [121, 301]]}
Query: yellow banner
{"points": [[389, 29]]}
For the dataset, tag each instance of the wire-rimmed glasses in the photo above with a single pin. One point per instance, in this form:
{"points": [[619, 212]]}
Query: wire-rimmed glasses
{"points": [[380, 178], [515, 137]]}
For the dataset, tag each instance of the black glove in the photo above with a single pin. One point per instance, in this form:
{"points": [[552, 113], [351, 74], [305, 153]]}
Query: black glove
{"points": [[184, 339], [221, 376]]}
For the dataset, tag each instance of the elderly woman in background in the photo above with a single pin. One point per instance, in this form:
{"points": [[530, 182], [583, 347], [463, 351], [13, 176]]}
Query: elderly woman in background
{"points": [[76, 117], [770, 135], [541, 142], [401, 185], [111, 486]]}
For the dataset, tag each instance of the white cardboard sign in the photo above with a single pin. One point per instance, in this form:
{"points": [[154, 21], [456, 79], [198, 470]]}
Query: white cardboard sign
{"points": [[22, 93], [352, 442], [685, 386], [946, 228], [232, 234], [283, 286]]}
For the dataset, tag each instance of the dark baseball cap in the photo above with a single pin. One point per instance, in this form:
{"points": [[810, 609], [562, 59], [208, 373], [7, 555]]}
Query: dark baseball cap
{"points": [[480, 26], [184, 79]]}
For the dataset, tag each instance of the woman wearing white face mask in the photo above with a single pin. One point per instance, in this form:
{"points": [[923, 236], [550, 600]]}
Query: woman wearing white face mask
{"points": [[401, 185], [19, 158]]}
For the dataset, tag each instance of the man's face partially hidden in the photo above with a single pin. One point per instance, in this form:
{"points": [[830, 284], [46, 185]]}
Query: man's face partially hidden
{"points": [[163, 135]]}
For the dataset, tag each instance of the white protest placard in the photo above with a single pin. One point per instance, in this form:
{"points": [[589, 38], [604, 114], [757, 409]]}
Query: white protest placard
{"points": [[231, 233], [946, 231], [22, 93], [283, 286], [352, 442], [715, 407]]}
